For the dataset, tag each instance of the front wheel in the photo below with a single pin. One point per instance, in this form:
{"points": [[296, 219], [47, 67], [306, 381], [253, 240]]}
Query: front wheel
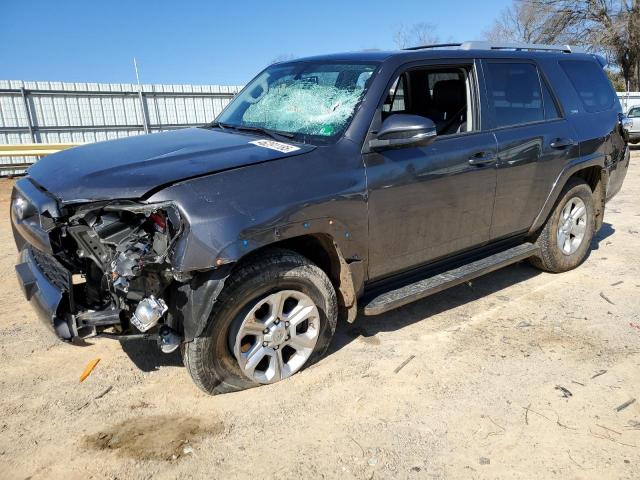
{"points": [[566, 236], [275, 316]]}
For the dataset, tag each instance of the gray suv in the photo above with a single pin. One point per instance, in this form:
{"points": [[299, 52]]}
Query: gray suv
{"points": [[329, 185]]}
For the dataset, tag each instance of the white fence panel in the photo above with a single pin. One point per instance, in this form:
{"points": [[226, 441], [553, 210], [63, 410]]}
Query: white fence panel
{"points": [[60, 112]]}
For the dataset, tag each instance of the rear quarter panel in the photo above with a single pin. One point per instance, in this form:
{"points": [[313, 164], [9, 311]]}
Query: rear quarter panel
{"points": [[597, 135]]}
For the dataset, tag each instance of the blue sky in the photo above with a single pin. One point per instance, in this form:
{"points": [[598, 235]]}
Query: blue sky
{"points": [[201, 42]]}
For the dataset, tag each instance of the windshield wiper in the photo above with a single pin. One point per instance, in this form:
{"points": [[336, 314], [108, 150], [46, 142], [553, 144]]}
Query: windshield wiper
{"points": [[276, 135], [219, 125]]}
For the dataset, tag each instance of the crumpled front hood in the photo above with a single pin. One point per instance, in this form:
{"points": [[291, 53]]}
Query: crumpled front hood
{"points": [[132, 166]]}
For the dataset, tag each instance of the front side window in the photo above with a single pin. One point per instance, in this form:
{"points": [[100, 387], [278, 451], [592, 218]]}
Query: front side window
{"points": [[301, 98], [591, 83], [442, 94], [514, 93], [395, 99]]}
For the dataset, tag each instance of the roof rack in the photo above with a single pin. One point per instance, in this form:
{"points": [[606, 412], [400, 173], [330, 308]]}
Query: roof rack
{"points": [[434, 45], [483, 45]]}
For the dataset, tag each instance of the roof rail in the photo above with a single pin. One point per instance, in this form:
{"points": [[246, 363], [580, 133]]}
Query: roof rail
{"points": [[484, 45], [434, 45]]}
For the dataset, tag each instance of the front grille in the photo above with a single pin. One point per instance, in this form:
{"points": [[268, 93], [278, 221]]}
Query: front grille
{"points": [[52, 269]]}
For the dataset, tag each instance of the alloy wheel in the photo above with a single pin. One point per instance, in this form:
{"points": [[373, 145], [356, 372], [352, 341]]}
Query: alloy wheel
{"points": [[277, 336], [572, 226]]}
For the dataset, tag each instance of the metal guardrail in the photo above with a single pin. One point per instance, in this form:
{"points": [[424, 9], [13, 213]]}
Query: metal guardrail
{"points": [[24, 151], [34, 149]]}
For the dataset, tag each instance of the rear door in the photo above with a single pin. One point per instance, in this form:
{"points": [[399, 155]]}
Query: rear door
{"points": [[428, 202], [534, 142]]}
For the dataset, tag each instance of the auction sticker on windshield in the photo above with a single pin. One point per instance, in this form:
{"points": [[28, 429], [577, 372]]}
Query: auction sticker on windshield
{"points": [[280, 147]]}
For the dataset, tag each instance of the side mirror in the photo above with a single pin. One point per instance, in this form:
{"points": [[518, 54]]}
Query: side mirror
{"points": [[404, 130]]}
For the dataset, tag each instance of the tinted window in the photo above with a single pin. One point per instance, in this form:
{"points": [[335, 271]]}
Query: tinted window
{"points": [[591, 83], [514, 92], [550, 108]]}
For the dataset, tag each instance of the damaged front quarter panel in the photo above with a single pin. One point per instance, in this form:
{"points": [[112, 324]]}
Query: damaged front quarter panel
{"points": [[122, 252], [234, 213]]}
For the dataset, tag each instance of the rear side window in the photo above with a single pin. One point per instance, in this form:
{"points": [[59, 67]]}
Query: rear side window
{"points": [[514, 92], [591, 83]]}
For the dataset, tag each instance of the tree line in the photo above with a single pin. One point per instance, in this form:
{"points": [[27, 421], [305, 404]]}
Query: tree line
{"points": [[607, 27]]}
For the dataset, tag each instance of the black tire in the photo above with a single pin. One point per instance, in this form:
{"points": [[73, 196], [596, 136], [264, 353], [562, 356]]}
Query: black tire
{"points": [[551, 258], [210, 359]]}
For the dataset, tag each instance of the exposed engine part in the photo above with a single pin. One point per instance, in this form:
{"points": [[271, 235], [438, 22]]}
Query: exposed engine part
{"points": [[126, 264], [148, 312], [99, 318], [119, 253], [168, 339]]}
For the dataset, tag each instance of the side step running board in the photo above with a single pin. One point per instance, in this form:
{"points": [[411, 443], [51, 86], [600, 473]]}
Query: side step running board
{"points": [[428, 286]]}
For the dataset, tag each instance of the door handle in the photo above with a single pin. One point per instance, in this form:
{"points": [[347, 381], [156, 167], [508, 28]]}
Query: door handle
{"points": [[562, 143], [483, 158]]}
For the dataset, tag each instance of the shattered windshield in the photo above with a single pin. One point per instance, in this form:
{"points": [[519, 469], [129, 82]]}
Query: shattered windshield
{"points": [[300, 98]]}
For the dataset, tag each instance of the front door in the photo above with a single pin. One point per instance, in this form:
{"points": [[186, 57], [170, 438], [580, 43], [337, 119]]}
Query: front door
{"points": [[429, 202]]}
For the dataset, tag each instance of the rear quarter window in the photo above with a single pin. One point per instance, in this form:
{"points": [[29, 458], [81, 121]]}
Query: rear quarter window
{"points": [[591, 84]]}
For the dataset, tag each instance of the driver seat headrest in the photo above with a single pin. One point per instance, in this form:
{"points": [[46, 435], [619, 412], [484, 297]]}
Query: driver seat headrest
{"points": [[449, 95]]}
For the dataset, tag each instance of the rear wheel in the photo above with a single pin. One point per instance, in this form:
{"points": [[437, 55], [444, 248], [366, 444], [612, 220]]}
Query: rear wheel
{"points": [[566, 237], [275, 316]]}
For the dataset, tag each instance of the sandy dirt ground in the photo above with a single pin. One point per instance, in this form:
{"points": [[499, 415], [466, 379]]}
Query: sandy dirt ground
{"points": [[517, 375]]}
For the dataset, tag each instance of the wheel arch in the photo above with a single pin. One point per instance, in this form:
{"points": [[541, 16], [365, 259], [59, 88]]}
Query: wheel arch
{"points": [[592, 171], [346, 275], [596, 178], [191, 302]]}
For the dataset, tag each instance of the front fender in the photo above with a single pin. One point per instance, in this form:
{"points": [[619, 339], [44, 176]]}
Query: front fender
{"points": [[232, 213], [328, 226]]}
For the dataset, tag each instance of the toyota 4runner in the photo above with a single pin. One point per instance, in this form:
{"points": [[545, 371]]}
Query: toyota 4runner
{"points": [[328, 185]]}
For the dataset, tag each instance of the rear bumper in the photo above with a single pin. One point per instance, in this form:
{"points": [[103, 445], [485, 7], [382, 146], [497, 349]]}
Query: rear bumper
{"points": [[617, 171], [47, 286], [634, 137]]}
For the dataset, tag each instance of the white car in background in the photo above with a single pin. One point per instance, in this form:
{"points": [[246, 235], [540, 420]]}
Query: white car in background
{"points": [[633, 126]]}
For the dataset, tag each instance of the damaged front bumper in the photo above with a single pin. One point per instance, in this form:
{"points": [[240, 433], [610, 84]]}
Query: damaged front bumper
{"points": [[97, 269], [47, 286]]}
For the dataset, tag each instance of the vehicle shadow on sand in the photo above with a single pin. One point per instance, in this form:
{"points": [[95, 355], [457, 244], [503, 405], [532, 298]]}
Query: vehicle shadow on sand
{"points": [[369, 326], [605, 232], [146, 355]]}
